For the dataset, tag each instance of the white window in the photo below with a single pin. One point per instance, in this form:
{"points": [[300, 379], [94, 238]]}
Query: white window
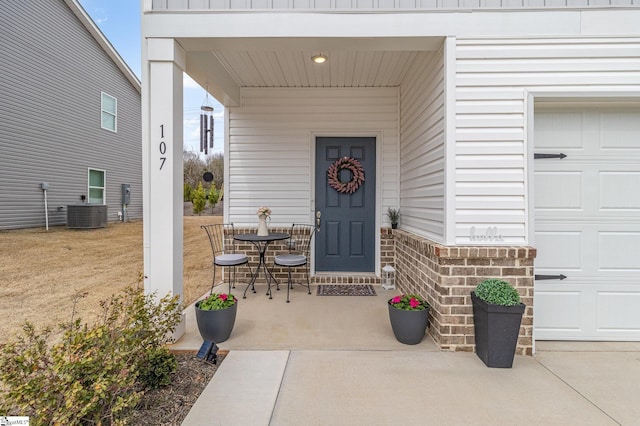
{"points": [[109, 108], [96, 186]]}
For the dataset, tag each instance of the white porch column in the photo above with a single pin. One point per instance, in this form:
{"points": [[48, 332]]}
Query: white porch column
{"points": [[163, 168]]}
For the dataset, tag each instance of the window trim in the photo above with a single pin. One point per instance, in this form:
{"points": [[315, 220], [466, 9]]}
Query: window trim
{"points": [[114, 114], [104, 183]]}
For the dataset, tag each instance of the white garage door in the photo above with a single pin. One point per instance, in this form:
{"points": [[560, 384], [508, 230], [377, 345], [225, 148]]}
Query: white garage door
{"points": [[587, 224]]}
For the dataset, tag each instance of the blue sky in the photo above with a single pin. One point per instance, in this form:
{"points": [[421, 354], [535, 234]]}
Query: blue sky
{"points": [[119, 20]]}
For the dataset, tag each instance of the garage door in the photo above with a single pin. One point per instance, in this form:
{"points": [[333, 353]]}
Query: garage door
{"points": [[587, 223]]}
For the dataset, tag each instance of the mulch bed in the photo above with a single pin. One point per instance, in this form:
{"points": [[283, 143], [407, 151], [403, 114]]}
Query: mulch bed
{"points": [[170, 404]]}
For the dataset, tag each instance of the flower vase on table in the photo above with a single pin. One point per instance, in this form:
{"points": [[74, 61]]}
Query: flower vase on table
{"points": [[263, 215]]}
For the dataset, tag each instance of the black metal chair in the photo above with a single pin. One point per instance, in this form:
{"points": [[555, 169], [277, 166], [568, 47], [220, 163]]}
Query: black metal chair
{"points": [[223, 248], [298, 255]]}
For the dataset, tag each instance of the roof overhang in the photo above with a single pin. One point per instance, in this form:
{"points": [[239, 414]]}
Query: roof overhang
{"points": [[93, 29]]}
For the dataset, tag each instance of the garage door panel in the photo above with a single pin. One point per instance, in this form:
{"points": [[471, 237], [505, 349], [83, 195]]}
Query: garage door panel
{"points": [[558, 251], [559, 130], [619, 251], [562, 311], [587, 224], [620, 190], [620, 130], [580, 249], [568, 193], [625, 306]]}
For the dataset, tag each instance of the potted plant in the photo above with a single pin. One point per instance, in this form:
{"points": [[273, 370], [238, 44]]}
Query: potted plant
{"points": [[409, 316], [216, 316], [497, 313], [393, 215]]}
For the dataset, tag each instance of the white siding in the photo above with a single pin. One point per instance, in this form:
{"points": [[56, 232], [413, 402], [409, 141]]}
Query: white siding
{"points": [[422, 147], [368, 5], [271, 146], [491, 79]]}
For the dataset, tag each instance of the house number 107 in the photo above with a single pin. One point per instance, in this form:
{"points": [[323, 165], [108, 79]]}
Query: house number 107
{"points": [[162, 147]]}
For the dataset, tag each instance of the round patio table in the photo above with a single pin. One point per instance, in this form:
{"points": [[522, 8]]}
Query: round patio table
{"points": [[261, 243]]}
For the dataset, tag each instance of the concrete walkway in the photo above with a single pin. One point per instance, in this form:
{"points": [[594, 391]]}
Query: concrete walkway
{"points": [[293, 364]]}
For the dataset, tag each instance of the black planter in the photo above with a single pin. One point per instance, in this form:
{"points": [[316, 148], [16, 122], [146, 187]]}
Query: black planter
{"points": [[408, 326], [394, 226], [496, 328], [216, 326]]}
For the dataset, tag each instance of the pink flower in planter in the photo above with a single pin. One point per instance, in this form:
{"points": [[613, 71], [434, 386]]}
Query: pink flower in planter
{"points": [[409, 302], [224, 297]]}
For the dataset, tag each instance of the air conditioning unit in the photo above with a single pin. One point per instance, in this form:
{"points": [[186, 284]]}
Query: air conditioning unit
{"points": [[87, 216]]}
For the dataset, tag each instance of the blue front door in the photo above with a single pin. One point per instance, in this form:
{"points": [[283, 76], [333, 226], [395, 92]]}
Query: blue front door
{"points": [[346, 238]]}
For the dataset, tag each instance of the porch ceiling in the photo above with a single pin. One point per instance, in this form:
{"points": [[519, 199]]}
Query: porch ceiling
{"points": [[226, 65]]}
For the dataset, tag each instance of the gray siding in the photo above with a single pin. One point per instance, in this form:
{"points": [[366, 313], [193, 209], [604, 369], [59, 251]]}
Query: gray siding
{"points": [[369, 5], [52, 71]]}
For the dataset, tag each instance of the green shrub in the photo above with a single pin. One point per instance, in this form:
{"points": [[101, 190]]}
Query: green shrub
{"points": [[497, 292], [158, 368], [214, 195], [187, 192], [92, 374], [199, 199]]}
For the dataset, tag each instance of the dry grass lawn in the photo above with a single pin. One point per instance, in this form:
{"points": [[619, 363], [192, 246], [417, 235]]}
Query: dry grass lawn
{"points": [[41, 271]]}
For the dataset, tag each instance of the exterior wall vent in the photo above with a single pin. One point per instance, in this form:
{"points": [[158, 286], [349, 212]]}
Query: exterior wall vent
{"points": [[87, 216]]}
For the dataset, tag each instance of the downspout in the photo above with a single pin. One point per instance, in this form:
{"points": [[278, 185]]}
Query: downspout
{"points": [[45, 187]]}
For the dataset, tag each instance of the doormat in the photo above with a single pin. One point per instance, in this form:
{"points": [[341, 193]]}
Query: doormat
{"points": [[345, 290]]}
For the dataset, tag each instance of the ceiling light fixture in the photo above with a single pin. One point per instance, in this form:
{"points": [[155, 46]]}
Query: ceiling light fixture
{"points": [[319, 59]]}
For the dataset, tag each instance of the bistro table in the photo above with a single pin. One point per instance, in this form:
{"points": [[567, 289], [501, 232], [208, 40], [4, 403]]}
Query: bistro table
{"points": [[261, 243]]}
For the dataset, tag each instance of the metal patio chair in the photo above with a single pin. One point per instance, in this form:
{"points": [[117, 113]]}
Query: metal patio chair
{"points": [[223, 249], [298, 255]]}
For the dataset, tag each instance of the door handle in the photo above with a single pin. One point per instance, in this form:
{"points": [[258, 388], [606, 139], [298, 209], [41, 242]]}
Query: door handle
{"points": [[318, 214]]}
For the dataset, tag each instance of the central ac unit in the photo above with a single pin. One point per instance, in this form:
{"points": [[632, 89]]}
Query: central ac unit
{"points": [[86, 216]]}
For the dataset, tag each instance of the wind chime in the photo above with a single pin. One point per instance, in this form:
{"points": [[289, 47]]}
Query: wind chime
{"points": [[206, 125]]}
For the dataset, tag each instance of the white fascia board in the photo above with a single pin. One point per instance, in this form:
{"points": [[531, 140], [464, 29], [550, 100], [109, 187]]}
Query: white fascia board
{"points": [[478, 23], [606, 22], [106, 45]]}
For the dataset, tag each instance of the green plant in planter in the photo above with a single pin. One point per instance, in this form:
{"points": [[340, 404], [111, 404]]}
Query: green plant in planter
{"points": [[216, 316], [497, 314], [498, 292], [218, 301], [394, 216], [409, 302]]}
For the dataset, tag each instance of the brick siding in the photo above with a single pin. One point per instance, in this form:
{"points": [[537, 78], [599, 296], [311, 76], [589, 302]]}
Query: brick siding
{"points": [[445, 276]]}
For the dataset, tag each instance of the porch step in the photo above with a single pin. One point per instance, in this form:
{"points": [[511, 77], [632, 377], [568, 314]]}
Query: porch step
{"points": [[345, 279], [242, 392]]}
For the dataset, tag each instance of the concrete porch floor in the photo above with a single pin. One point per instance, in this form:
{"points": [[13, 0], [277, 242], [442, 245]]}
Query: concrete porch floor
{"points": [[327, 360]]}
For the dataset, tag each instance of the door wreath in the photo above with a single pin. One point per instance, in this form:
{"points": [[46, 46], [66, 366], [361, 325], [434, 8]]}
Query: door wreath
{"points": [[357, 173]]}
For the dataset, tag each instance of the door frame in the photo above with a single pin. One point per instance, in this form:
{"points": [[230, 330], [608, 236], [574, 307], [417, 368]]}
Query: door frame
{"points": [[378, 135]]}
